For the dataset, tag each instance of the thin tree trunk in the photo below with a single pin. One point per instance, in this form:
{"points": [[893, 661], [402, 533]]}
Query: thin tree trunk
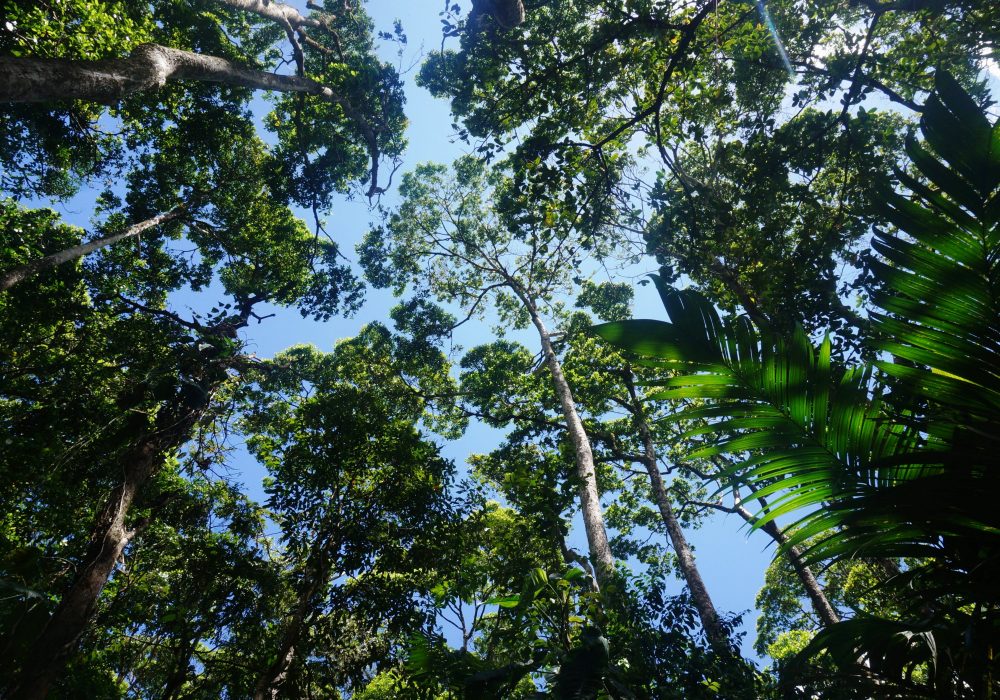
{"points": [[590, 501], [316, 577], [718, 637], [109, 537], [817, 597], [275, 673], [19, 274], [176, 680]]}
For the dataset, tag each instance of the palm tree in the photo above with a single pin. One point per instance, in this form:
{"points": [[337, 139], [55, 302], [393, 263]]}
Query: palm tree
{"points": [[894, 460]]}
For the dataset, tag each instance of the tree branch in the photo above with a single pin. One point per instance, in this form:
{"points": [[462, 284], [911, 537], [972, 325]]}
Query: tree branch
{"points": [[150, 67], [19, 274]]}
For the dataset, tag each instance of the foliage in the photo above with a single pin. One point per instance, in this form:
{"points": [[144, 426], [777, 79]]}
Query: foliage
{"points": [[97, 369], [890, 465], [763, 125], [52, 149], [739, 144]]}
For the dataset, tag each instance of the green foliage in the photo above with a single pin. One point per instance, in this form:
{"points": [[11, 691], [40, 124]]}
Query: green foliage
{"points": [[887, 466], [783, 210], [609, 301], [321, 148], [358, 493], [342, 582], [762, 196]]}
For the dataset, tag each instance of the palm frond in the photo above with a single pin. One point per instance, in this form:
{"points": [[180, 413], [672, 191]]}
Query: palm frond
{"points": [[940, 299], [808, 432]]}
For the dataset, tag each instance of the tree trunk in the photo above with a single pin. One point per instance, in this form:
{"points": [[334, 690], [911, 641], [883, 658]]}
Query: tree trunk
{"points": [[109, 537], [817, 597], [590, 502], [507, 13], [274, 674], [283, 14], [717, 635], [176, 680], [19, 274], [316, 577], [150, 67]]}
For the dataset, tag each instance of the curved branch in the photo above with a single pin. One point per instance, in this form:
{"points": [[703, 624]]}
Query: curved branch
{"points": [[275, 11], [150, 67]]}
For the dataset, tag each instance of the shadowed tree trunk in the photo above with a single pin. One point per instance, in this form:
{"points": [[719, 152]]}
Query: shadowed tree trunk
{"points": [[507, 13], [109, 536], [271, 678]]}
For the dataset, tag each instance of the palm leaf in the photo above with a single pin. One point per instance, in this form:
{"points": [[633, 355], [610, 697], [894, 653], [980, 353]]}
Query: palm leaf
{"points": [[807, 432]]}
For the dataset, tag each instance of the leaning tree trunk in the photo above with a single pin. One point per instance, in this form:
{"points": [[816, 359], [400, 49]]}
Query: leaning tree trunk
{"points": [[177, 678], [271, 678], [109, 537], [716, 632], [19, 274], [817, 597], [590, 502], [274, 675]]}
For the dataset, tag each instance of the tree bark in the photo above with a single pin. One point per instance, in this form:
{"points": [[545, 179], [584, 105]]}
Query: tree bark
{"points": [[19, 274], [272, 677], [275, 11], [150, 67], [109, 537], [590, 501], [717, 635], [176, 680], [817, 597], [507, 13]]}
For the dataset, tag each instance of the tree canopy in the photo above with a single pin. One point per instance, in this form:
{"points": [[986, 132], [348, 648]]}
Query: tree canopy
{"points": [[496, 482]]}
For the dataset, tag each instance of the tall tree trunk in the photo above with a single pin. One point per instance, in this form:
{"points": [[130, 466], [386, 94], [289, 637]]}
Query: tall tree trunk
{"points": [[590, 501], [109, 537], [717, 635], [317, 574], [19, 274]]}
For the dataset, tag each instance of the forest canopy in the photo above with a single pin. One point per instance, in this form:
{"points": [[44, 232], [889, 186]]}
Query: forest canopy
{"points": [[474, 468]]}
